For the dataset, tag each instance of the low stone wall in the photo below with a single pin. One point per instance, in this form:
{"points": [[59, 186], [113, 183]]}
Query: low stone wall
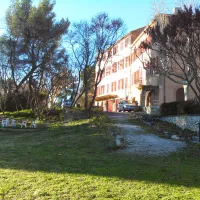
{"points": [[184, 121]]}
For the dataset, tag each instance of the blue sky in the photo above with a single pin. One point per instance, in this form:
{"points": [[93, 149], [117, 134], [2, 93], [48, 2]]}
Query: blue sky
{"points": [[134, 13]]}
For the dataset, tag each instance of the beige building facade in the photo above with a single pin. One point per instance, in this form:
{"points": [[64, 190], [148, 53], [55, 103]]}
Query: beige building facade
{"points": [[128, 76]]}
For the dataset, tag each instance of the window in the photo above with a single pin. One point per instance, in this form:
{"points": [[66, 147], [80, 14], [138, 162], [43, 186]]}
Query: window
{"points": [[102, 89], [138, 52], [121, 46], [126, 82], [127, 41], [114, 67], [115, 50], [108, 71], [127, 61], [109, 53], [132, 57], [152, 66], [113, 86], [121, 84], [136, 77], [121, 64], [98, 91], [107, 88]]}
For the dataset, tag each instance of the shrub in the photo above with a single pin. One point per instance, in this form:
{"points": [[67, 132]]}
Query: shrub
{"points": [[96, 111], [100, 122], [17, 102], [169, 108], [53, 114], [138, 109], [179, 108], [80, 113]]}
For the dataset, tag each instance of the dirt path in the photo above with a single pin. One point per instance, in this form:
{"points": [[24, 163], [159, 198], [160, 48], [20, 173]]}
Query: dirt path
{"points": [[141, 143]]}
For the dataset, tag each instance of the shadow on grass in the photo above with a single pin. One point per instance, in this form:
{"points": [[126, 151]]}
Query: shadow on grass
{"points": [[81, 149]]}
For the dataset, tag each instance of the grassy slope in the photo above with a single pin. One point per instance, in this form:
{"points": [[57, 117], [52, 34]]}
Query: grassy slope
{"points": [[74, 163]]}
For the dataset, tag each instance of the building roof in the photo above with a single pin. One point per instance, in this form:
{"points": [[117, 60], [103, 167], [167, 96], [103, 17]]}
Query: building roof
{"points": [[153, 21], [133, 33]]}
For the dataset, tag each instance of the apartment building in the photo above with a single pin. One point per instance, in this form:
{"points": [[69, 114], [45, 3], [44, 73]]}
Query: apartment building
{"points": [[128, 76]]}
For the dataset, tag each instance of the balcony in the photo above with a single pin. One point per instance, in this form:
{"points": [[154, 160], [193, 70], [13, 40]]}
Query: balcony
{"points": [[105, 97]]}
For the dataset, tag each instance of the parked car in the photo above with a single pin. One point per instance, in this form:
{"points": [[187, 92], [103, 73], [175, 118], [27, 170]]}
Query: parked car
{"points": [[125, 106], [66, 103]]}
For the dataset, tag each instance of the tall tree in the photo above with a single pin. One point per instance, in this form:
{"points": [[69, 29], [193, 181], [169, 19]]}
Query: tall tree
{"points": [[177, 44], [5, 86], [33, 42], [89, 41]]}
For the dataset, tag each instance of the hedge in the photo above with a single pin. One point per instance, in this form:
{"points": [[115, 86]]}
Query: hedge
{"points": [[180, 108]]}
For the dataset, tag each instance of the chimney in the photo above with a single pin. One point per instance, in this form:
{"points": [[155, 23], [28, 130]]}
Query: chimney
{"points": [[175, 10]]}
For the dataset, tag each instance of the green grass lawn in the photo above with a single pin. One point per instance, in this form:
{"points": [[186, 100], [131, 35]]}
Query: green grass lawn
{"points": [[76, 162]]}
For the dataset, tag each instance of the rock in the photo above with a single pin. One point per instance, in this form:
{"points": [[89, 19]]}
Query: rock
{"points": [[175, 137], [120, 141]]}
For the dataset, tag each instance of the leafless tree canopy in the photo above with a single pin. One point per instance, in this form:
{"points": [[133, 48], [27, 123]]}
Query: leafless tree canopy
{"points": [[167, 6], [88, 42]]}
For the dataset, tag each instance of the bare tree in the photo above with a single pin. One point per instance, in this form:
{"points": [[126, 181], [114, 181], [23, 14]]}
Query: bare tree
{"points": [[5, 85], [89, 42], [165, 7], [177, 45], [159, 6], [181, 3]]}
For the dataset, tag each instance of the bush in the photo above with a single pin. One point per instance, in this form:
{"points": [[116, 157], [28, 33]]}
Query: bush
{"points": [[179, 108], [169, 108], [81, 113], [138, 109], [53, 114], [100, 122], [17, 102], [96, 111]]}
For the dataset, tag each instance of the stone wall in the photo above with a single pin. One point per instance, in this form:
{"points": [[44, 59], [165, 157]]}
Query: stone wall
{"points": [[184, 121]]}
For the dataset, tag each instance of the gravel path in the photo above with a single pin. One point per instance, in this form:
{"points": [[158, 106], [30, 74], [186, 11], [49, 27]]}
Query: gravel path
{"points": [[147, 144], [141, 143]]}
